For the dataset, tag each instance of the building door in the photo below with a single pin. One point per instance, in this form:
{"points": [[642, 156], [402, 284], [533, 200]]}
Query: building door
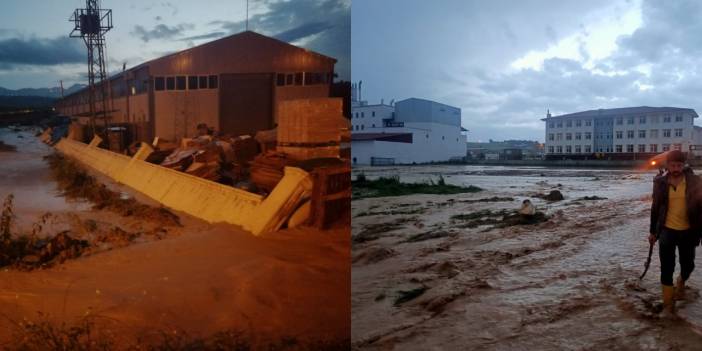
{"points": [[245, 103]]}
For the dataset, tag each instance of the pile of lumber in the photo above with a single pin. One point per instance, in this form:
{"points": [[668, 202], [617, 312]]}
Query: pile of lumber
{"points": [[310, 128]]}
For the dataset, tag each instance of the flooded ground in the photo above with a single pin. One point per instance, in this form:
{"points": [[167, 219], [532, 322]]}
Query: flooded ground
{"points": [[172, 282], [425, 280]]}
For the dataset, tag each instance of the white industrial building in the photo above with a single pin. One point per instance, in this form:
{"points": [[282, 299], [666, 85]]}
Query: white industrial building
{"points": [[409, 131], [620, 133]]}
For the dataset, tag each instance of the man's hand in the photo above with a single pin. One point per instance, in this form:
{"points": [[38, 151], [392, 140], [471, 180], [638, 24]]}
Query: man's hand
{"points": [[652, 239]]}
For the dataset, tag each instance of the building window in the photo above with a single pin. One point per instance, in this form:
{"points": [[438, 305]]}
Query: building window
{"points": [[559, 136], [653, 133], [588, 149], [373, 125], [642, 148], [666, 119], [559, 124], [666, 133], [677, 147], [630, 134], [559, 149], [180, 83], [630, 148], [666, 147], [588, 136], [212, 80], [427, 136], [569, 136], [298, 78], [159, 84], [630, 120], [642, 134], [620, 121], [588, 122], [289, 79], [678, 132], [192, 82], [550, 136], [203, 82], [653, 148], [363, 127], [619, 148], [550, 124], [619, 134], [678, 118], [170, 83], [568, 149], [443, 138], [578, 123], [642, 120], [578, 136], [550, 149], [569, 123], [577, 149], [363, 114], [280, 79]]}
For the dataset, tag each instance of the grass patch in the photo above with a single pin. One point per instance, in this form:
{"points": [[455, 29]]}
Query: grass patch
{"points": [[391, 186], [28, 251], [76, 183], [409, 295]]}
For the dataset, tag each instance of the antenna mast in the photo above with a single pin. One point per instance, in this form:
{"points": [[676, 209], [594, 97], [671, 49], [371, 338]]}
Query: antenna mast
{"points": [[91, 23]]}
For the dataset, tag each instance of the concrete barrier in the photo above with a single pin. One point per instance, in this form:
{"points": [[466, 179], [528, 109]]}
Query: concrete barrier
{"points": [[198, 197]]}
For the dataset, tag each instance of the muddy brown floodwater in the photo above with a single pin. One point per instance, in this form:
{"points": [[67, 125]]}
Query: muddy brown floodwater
{"points": [[196, 278], [568, 283]]}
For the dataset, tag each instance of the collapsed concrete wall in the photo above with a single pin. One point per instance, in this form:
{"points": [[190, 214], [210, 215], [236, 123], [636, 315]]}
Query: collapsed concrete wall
{"points": [[198, 197]]}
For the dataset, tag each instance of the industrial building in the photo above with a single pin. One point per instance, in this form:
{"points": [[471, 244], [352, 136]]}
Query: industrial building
{"points": [[233, 84], [620, 133], [409, 131]]}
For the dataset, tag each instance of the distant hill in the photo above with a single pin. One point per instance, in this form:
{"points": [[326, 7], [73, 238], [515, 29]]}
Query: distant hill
{"points": [[11, 103], [41, 92]]}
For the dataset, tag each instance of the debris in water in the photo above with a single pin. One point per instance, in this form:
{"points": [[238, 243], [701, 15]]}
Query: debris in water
{"points": [[409, 295]]}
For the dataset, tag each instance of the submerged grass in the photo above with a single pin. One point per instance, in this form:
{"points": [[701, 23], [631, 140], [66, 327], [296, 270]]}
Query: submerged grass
{"points": [[391, 186], [77, 183], [498, 219]]}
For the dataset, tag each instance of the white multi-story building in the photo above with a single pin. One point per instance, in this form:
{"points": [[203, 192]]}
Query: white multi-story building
{"points": [[409, 131], [621, 132]]}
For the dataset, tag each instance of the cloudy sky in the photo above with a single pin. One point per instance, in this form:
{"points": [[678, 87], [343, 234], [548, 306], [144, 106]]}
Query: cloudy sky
{"points": [[504, 63], [35, 50]]}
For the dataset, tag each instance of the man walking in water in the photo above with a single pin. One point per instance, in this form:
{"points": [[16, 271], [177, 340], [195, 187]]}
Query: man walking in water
{"points": [[675, 221]]}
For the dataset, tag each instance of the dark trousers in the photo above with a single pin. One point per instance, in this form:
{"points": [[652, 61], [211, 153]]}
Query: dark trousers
{"points": [[685, 241]]}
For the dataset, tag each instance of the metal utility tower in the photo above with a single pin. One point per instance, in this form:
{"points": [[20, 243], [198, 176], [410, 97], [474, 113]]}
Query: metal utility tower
{"points": [[91, 23]]}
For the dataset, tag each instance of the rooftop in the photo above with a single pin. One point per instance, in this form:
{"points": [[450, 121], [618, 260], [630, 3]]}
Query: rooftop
{"points": [[624, 111]]}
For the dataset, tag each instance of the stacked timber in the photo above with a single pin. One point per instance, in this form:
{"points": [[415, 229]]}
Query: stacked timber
{"points": [[310, 128]]}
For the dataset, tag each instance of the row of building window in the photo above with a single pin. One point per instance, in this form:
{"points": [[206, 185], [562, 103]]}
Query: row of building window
{"points": [[185, 83], [653, 133], [362, 114], [619, 121], [309, 78], [617, 148]]}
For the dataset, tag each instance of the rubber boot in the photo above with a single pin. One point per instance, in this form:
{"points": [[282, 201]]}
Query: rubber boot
{"points": [[668, 300], [680, 289]]}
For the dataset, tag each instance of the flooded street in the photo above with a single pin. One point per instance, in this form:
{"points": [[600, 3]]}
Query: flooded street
{"points": [[425, 279]]}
